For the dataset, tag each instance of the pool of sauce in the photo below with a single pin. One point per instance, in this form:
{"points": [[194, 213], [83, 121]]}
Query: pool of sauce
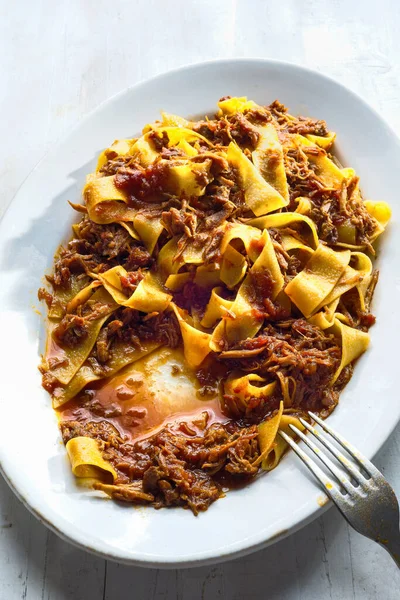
{"points": [[139, 400]]}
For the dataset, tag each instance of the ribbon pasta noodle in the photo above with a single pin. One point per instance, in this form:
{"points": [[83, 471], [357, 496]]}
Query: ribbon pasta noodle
{"points": [[217, 287]]}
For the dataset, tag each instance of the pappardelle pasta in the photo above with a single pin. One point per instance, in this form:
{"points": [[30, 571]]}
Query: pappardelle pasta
{"points": [[216, 288]]}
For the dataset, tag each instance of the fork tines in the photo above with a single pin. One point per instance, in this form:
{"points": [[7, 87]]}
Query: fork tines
{"points": [[356, 475]]}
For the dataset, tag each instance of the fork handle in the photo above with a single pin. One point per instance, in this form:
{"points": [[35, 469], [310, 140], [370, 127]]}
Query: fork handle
{"points": [[393, 547]]}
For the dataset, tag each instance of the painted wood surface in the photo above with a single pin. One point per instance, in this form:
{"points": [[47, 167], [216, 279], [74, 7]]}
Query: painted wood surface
{"points": [[59, 60]]}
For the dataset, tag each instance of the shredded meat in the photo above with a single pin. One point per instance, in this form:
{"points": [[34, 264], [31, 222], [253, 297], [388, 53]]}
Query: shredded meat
{"points": [[301, 125], [193, 296], [224, 130], [180, 222], [243, 132], [45, 295], [71, 330], [114, 164], [104, 340], [172, 468], [161, 327], [159, 140], [330, 208], [138, 258], [291, 348], [49, 382], [97, 249], [131, 281], [132, 327]]}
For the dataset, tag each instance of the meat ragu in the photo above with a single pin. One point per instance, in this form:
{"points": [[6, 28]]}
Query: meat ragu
{"points": [[216, 288]]}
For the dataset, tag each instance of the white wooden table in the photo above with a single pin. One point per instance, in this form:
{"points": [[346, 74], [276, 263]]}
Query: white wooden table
{"points": [[59, 59]]}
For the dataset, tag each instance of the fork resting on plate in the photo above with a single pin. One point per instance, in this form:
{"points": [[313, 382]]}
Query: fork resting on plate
{"points": [[362, 495]]}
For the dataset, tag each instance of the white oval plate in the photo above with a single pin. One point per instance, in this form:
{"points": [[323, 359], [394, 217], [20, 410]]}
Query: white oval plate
{"points": [[32, 456]]}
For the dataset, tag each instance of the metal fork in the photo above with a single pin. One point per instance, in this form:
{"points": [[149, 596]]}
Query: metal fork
{"points": [[364, 497]]}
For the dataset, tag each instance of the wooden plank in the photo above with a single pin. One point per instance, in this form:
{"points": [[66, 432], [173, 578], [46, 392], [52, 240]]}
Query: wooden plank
{"points": [[71, 574], [22, 548]]}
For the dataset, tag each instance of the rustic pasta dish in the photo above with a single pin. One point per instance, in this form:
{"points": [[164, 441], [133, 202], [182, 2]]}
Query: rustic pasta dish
{"points": [[216, 288]]}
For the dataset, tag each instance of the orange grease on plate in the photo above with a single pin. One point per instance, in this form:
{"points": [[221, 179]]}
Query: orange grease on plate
{"points": [[140, 399]]}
